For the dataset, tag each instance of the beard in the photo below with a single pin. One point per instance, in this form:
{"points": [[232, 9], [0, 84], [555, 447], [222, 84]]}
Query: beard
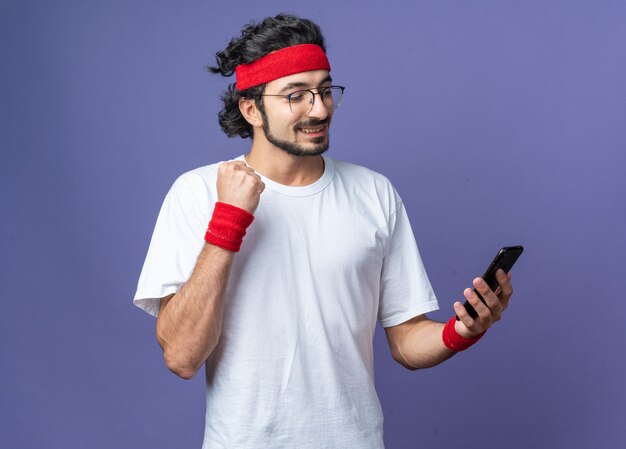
{"points": [[322, 143]]}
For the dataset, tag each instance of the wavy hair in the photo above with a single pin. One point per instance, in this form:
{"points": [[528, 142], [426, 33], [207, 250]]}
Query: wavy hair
{"points": [[257, 40]]}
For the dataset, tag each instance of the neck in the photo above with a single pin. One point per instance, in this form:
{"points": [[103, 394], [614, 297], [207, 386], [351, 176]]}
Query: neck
{"points": [[283, 168]]}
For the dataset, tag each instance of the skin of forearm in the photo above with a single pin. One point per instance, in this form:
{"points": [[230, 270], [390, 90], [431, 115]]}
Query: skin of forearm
{"points": [[418, 344], [189, 324]]}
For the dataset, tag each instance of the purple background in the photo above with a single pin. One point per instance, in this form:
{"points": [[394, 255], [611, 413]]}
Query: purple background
{"points": [[499, 122]]}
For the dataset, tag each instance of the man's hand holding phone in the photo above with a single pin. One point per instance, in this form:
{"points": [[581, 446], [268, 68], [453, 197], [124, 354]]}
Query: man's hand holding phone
{"points": [[485, 304], [487, 312]]}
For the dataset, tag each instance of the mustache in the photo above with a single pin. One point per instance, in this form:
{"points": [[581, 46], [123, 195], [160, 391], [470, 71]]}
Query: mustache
{"points": [[313, 122]]}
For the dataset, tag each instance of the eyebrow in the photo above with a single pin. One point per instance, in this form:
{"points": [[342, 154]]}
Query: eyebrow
{"points": [[328, 79]]}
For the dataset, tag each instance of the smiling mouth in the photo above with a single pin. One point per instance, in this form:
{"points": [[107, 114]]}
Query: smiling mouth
{"points": [[312, 130]]}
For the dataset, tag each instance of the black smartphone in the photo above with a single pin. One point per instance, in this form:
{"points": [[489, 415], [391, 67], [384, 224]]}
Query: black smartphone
{"points": [[505, 259]]}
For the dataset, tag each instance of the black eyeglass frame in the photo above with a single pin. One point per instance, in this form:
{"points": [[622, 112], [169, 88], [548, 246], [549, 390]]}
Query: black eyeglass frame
{"points": [[320, 92]]}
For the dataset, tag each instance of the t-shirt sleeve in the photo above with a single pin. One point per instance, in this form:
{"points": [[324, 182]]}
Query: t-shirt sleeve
{"points": [[176, 242], [406, 291]]}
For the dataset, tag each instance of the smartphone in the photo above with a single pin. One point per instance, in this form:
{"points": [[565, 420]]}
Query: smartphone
{"points": [[505, 259]]}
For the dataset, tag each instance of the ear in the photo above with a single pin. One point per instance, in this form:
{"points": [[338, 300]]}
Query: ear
{"points": [[250, 112]]}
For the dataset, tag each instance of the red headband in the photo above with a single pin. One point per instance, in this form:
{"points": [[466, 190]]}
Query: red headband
{"points": [[283, 62]]}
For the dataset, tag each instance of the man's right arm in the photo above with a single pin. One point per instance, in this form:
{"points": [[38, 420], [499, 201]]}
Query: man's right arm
{"points": [[189, 323]]}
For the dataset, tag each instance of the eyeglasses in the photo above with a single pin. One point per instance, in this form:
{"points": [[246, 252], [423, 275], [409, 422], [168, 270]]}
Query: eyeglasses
{"points": [[302, 101]]}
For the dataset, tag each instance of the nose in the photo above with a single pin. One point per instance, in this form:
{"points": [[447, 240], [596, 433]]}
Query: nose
{"points": [[318, 108]]}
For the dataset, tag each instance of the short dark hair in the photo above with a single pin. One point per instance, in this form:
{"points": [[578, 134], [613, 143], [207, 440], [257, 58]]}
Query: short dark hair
{"points": [[257, 40]]}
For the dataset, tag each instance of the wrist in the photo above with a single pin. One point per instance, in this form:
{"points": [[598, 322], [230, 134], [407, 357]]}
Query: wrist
{"points": [[228, 226], [454, 341]]}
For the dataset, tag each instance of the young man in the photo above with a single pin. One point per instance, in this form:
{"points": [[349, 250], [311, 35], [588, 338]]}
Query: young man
{"points": [[285, 319]]}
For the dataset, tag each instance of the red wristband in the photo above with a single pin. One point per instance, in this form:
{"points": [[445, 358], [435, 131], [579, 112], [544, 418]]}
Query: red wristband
{"points": [[455, 342], [228, 226]]}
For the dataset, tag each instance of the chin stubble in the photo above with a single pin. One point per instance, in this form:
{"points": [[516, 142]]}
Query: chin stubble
{"points": [[295, 149]]}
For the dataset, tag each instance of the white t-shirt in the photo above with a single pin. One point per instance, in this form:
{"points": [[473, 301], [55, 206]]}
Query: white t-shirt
{"points": [[318, 266]]}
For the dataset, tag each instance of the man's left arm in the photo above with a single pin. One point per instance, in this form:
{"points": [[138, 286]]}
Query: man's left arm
{"points": [[419, 343]]}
